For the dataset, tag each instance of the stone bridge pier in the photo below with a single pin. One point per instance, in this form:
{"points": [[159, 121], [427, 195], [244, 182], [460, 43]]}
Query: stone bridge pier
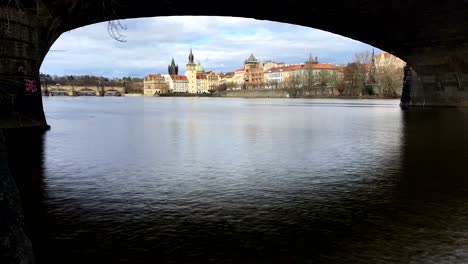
{"points": [[441, 77], [24, 42]]}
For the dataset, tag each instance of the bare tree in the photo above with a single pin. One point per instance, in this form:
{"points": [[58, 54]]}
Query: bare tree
{"points": [[341, 86], [323, 81], [390, 78], [273, 84], [308, 81], [355, 75], [292, 84], [332, 82], [353, 79], [363, 57]]}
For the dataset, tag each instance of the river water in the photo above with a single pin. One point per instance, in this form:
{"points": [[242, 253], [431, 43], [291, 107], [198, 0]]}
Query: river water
{"points": [[225, 180]]}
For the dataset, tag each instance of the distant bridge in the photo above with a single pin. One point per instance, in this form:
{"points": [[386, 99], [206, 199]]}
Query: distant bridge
{"points": [[84, 90]]}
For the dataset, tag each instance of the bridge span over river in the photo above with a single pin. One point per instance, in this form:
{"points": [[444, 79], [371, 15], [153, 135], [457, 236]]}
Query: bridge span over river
{"points": [[431, 36], [83, 90]]}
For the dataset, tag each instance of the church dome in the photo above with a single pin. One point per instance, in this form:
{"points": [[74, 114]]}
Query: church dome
{"points": [[200, 68]]}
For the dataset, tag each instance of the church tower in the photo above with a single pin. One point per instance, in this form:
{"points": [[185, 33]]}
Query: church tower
{"points": [[173, 69], [311, 59], [191, 73]]}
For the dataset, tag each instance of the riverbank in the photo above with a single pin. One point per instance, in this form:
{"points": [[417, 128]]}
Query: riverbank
{"points": [[285, 94], [349, 97], [187, 95], [272, 94]]}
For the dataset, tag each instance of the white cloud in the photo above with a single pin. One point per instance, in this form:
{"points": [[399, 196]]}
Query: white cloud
{"points": [[220, 43]]}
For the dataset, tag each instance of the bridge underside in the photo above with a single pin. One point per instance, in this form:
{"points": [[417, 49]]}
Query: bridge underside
{"points": [[431, 37]]}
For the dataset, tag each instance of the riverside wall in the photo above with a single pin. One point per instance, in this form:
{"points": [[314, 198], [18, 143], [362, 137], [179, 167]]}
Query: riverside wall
{"points": [[255, 94]]}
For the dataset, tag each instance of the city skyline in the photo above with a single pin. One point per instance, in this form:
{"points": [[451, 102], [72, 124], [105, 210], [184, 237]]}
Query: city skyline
{"points": [[219, 43]]}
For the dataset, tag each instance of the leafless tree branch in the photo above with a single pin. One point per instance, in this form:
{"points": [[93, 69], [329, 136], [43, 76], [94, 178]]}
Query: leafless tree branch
{"points": [[114, 29]]}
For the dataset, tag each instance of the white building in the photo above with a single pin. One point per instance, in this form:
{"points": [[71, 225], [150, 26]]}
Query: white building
{"points": [[239, 77], [273, 78], [180, 84], [168, 80]]}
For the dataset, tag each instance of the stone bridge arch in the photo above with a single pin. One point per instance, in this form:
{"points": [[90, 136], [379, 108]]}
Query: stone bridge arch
{"points": [[430, 36], [53, 91], [119, 91], [85, 90]]}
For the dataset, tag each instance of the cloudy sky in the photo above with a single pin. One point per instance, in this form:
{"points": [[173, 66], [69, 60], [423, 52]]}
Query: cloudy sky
{"points": [[219, 43]]}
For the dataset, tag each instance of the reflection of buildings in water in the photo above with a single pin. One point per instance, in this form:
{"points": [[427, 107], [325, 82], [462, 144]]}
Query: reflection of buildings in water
{"points": [[175, 132], [192, 130], [192, 124]]}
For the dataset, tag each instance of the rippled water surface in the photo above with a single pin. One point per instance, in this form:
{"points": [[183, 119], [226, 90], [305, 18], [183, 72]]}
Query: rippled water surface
{"points": [[205, 180]]}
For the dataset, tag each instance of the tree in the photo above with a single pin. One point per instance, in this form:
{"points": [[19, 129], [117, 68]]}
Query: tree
{"points": [[333, 81], [273, 84], [308, 81], [354, 79], [323, 81], [390, 80], [341, 87], [355, 75], [292, 84], [364, 58]]}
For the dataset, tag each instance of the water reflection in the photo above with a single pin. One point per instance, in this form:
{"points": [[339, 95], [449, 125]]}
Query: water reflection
{"points": [[420, 217], [357, 185]]}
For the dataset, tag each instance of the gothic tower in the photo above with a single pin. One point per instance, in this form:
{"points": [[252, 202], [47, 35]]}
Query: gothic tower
{"points": [[250, 62], [173, 69], [191, 73]]}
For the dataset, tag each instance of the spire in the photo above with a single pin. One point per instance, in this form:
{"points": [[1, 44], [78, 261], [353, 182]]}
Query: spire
{"points": [[173, 69], [311, 59], [372, 71], [190, 57], [252, 58]]}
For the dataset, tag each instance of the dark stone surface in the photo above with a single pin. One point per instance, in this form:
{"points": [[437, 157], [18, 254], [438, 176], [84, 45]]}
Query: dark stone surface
{"points": [[15, 246]]}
